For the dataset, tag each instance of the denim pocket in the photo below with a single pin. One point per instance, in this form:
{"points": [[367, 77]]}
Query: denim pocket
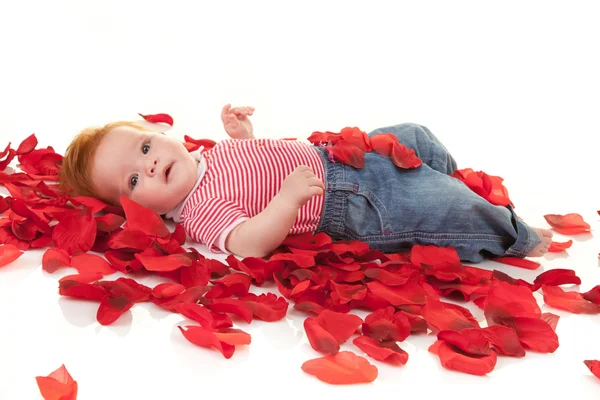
{"points": [[366, 214]]}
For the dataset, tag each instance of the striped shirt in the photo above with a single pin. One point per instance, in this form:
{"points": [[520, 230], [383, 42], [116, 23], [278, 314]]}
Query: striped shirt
{"points": [[241, 178]]}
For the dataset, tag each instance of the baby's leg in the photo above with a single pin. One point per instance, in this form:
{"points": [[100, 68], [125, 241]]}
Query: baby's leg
{"points": [[392, 209], [425, 144]]}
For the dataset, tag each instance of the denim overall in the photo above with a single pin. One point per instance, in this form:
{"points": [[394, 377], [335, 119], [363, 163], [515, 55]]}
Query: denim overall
{"points": [[392, 209]]}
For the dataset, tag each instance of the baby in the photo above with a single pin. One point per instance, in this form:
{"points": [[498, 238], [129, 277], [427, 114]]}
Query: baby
{"points": [[245, 195]]}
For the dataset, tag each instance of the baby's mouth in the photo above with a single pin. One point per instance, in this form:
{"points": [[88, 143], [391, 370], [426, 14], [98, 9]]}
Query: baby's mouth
{"points": [[167, 172]]}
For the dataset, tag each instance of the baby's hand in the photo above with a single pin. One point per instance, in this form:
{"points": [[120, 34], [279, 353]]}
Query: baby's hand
{"points": [[236, 122], [300, 186]]}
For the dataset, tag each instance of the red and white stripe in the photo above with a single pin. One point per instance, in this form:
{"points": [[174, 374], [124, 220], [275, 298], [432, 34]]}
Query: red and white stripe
{"points": [[242, 177]]}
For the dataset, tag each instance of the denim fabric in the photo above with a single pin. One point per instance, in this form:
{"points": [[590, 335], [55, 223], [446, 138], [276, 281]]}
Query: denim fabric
{"points": [[393, 209]]}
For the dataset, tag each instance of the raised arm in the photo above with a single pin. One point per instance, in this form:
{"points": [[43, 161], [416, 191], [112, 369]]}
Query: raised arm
{"points": [[263, 233], [236, 122]]}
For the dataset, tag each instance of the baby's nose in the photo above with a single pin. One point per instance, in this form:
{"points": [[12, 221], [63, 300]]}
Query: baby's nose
{"points": [[152, 165]]}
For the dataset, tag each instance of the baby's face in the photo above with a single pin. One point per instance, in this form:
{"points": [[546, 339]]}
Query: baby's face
{"points": [[148, 167]]}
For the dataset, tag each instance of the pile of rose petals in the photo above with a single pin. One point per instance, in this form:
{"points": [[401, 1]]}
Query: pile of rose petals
{"points": [[403, 293]]}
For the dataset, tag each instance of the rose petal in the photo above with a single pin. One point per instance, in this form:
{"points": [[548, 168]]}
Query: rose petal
{"points": [[76, 232], [504, 340], [143, 219], [91, 263], [568, 224], [518, 262], [231, 306], [386, 351], [558, 276], [8, 254], [205, 338], [453, 359], [158, 118], [556, 247], [59, 385], [111, 308], [594, 367], [573, 302], [166, 263], [267, 306], [471, 341], [342, 368], [444, 318], [166, 290], [386, 324], [319, 338], [534, 333], [54, 259]]}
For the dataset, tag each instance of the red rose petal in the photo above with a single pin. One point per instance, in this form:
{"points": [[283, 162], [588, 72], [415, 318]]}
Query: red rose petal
{"points": [[309, 307], [234, 337], [356, 137], [518, 262], [158, 118], [388, 278], [84, 291], [386, 351], [109, 222], [235, 284], [59, 385], [196, 312], [445, 318], [54, 259], [111, 308], [8, 254], [129, 239], [143, 219], [82, 278], [504, 340], [205, 338], [344, 293], [166, 290], [340, 325], [534, 333], [501, 276], [319, 338], [593, 295], [506, 300], [267, 306], [347, 153], [573, 302], [594, 367], [167, 263], [568, 224], [298, 260], [556, 247], [342, 368], [191, 295], [453, 359], [90, 263], [386, 324], [231, 306], [471, 341], [558, 276], [76, 232], [551, 319], [410, 293], [196, 274], [27, 145]]}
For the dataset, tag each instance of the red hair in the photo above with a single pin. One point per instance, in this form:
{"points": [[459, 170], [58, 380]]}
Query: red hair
{"points": [[76, 171]]}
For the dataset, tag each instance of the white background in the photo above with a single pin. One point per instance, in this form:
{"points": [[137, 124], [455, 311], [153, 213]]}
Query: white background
{"points": [[512, 88]]}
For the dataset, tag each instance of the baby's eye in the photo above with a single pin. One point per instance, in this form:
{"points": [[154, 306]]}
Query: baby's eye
{"points": [[133, 181], [146, 148]]}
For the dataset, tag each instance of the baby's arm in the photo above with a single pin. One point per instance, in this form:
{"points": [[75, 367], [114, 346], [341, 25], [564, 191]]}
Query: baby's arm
{"points": [[263, 233]]}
